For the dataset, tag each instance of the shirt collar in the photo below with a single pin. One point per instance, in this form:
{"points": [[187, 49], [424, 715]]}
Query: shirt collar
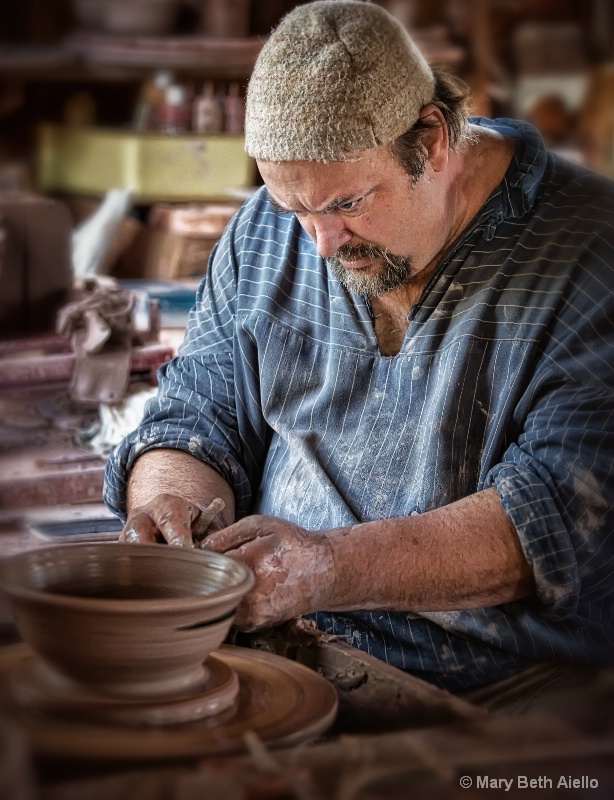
{"points": [[526, 169]]}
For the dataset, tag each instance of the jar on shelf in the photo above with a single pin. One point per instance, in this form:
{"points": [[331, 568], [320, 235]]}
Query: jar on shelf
{"points": [[174, 113], [207, 116]]}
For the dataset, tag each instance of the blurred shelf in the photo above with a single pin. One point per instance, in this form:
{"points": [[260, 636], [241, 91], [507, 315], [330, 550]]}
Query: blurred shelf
{"points": [[87, 56], [105, 57], [28, 59], [172, 52]]}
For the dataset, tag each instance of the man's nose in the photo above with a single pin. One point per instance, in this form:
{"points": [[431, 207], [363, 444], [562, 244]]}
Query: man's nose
{"points": [[328, 232]]}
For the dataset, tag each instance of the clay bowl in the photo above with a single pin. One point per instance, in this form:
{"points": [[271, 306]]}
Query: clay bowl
{"points": [[126, 620]]}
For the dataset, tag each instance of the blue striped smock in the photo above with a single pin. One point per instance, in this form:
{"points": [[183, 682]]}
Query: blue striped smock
{"points": [[505, 379]]}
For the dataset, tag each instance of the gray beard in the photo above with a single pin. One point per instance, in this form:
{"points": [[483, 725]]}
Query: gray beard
{"points": [[396, 270]]}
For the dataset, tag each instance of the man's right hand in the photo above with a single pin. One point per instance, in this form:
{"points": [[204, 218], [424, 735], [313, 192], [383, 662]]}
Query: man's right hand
{"points": [[172, 519]]}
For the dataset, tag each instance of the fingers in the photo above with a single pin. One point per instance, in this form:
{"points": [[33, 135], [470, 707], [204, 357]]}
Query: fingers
{"points": [[166, 518], [172, 519], [288, 565], [236, 535], [139, 528], [176, 527]]}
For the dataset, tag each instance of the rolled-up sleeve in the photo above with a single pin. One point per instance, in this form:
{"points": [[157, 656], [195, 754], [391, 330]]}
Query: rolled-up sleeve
{"points": [[194, 409], [556, 478]]}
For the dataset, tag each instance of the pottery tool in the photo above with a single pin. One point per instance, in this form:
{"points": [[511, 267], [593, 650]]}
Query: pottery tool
{"points": [[200, 526]]}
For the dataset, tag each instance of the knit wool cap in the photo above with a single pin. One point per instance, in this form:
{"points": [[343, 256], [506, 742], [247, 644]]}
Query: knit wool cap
{"points": [[336, 76]]}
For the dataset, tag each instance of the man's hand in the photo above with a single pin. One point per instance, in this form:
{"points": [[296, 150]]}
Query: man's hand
{"points": [[172, 519], [294, 568]]}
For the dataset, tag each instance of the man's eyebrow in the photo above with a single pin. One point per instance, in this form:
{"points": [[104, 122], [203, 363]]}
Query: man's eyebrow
{"points": [[277, 206], [339, 201]]}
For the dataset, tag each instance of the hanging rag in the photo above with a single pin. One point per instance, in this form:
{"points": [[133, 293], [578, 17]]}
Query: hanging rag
{"points": [[100, 330]]}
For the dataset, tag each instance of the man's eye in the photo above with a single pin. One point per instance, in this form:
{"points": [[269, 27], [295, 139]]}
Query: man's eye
{"points": [[351, 205]]}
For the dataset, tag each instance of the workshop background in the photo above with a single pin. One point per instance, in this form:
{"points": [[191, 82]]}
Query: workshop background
{"points": [[147, 96], [121, 162]]}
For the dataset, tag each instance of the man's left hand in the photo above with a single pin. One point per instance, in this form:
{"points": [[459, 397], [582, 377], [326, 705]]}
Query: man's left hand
{"points": [[294, 568]]}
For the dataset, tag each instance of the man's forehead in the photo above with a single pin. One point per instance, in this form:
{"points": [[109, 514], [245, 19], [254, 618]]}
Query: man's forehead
{"points": [[350, 157], [359, 167], [316, 185]]}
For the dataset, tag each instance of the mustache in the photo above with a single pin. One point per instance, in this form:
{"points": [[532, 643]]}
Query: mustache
{"points": [[392, 271], [352, 252]]}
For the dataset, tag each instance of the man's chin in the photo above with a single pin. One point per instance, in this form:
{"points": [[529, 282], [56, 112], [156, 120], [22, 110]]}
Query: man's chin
{"points": [[364, 280], [373, 280]]}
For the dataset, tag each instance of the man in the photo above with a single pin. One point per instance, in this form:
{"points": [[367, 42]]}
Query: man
{"points": [[399, 371]]}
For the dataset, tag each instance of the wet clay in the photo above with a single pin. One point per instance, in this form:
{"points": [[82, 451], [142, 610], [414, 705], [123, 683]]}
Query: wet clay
{"points": [[39, 688], [281, 701], [129, 621]]}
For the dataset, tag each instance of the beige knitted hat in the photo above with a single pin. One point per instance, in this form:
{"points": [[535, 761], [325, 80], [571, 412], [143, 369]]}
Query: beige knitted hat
{"points": [[335, 76]]}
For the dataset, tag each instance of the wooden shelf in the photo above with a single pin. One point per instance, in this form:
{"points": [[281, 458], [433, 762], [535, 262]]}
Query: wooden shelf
{"points": [[85, 57], [19, 61], [98, 57]]}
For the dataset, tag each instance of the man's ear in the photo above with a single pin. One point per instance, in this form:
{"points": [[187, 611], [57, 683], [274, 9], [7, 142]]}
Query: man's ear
{"points": [[435, 139]]}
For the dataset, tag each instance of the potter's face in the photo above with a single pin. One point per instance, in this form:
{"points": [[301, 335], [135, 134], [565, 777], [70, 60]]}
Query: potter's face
{"points": [[375, 226]]}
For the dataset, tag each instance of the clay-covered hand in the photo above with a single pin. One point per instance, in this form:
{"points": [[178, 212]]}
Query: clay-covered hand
{"points": [[172, 519], [294, 568]]}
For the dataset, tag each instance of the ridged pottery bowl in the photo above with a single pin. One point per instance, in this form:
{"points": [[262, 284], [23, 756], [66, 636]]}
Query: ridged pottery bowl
{"points": [[126, 620]]}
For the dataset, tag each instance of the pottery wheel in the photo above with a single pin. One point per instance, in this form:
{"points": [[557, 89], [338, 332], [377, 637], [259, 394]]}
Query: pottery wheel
{"points": [[40, 688], [281, 701]]}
